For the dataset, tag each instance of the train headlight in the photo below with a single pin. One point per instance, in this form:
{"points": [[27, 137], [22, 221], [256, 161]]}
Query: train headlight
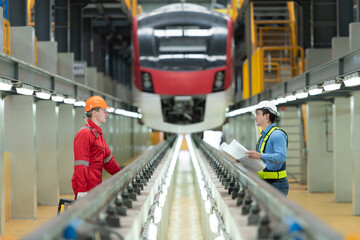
{"points": [[219, 81], [147, 85]]}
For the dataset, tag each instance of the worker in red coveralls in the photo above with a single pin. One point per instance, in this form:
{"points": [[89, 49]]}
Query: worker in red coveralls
{"points": [[90, 150]]}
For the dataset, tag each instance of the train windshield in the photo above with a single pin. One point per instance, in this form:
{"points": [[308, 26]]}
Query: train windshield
{"points": [[183, 48]]}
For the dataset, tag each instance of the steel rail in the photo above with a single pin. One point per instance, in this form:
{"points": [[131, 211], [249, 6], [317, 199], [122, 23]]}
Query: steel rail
{"points": [[100, 196], [279, 206]]}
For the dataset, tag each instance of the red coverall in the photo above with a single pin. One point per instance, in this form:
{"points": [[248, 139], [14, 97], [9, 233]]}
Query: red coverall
{"points": [[91, 156]]}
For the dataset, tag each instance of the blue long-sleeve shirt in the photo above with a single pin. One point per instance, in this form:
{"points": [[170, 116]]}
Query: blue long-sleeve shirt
{"points": [[274, 154]]}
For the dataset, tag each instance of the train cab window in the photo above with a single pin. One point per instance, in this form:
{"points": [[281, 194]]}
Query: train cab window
{"points": [[183, 45], [183, 48]]}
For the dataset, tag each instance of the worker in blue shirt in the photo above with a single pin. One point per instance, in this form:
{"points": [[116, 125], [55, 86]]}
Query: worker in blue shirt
{"points": [[271, 147]]}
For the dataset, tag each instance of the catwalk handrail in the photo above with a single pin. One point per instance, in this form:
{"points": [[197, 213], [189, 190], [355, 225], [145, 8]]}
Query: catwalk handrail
{"points": [[99, 196], [278, 205]]}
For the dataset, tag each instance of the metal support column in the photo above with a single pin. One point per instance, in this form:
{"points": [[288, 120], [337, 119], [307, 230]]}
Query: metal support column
{"points": [[47, 153], [43, 20], [343, 157], [61, 25], [355, 142], [306, 23], [18, 15], [357, 11], [323, 21], [96, 51], [20, 124], [67, 132], [345, 14], [320, 170], [121, 71], [127, 79], [86, 41], [105, 56], [112, 61], [75, 30], [2, 170]]}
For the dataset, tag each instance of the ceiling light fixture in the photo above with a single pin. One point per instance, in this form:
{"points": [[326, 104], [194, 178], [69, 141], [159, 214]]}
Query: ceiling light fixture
{"points": [[25, 89], [5, 85], [57, 98], [69, 100], [79, 103], [315, 90], [110, 110], [281, 100], [332, 85], [352, 80], [43, 94], [301, 94], [290, 97]]}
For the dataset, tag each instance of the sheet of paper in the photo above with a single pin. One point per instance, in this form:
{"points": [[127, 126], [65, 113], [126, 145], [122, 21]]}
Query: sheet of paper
{"points": [[237, 151]]}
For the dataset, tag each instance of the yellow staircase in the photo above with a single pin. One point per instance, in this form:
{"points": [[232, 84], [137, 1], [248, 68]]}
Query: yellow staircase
{"points": [[276, 57]]}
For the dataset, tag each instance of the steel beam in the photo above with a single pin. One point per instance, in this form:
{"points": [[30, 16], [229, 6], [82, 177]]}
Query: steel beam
{"points": [[337, 68]]}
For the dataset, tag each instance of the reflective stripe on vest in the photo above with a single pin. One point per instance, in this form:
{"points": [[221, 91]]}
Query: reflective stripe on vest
{"points": [[270, 174]]}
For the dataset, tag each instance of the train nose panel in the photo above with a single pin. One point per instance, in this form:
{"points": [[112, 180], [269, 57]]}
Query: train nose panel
{"points": [[183, 83]]}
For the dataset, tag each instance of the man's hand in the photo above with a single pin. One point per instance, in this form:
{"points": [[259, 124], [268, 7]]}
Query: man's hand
{"points": [[254, 154]]}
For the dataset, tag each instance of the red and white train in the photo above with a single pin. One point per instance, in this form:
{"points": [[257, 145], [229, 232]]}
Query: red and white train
{"points": [[183, 67]]}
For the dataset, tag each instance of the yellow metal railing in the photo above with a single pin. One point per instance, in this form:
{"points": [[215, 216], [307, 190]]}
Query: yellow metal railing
{"points": [[133, 6], [235, 7], [30, 6], [139, 9], [253, 28], [128, 2], [245, 79], [241, 3], [293, 56], [292, 18], [269, 61], [257, 72], [271, 67], [263, 30], [6, 37], [232, 9]]}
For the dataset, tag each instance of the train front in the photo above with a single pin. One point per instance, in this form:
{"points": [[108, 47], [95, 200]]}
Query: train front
{"points": [[183, 67]]}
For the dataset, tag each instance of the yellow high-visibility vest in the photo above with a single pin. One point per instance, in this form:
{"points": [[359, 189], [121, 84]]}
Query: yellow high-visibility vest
{"points": [[272, 174]]}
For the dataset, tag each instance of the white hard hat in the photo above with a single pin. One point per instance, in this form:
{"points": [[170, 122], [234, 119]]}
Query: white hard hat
{"points": [[265, 104]]}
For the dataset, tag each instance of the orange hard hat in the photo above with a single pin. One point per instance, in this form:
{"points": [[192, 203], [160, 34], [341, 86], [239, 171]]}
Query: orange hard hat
{"points": [[94, 102]]}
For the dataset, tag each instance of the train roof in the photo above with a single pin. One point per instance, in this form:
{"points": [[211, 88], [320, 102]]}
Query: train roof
{"points": [[181, 7]]}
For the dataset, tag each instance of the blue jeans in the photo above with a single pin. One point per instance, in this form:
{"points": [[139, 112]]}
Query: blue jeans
{"points": [[280, 184]]}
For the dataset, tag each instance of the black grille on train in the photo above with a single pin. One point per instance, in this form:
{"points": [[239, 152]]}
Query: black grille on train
{"points": [[183, 109]]}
